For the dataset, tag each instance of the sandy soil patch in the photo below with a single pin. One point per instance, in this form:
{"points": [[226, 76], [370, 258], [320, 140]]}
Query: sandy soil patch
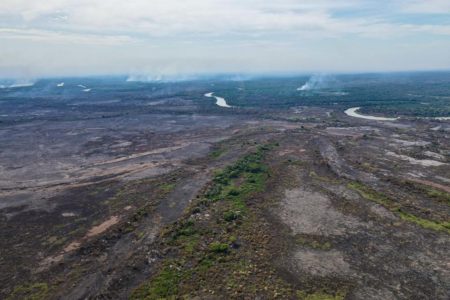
{"points": [[313, 213], [291, 151], [103, 227], [322, 263], [411, 160], [434, 155], [432, 184], [138, 155], [96, 230], [72, 246], [410, 143], [68, 214]]}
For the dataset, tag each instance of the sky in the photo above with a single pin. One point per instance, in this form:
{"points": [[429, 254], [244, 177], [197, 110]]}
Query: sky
{"points": [[150, 38]]}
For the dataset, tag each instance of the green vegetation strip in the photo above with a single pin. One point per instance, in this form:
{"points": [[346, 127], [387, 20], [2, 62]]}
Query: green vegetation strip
{"points": [[217, 153], [204, 245], [320, 296], [313, 242], [220, 247], [396, 208], [35, 291], [438, 195]]}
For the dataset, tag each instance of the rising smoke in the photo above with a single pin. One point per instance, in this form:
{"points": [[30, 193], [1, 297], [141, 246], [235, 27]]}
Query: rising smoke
{"points": [[315, 82], [175, 77], [16, 83]]}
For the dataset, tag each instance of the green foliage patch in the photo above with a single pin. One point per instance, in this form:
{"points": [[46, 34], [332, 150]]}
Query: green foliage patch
{"points": [[205, 249], [35, 291], [163, 285], [218, 247], [320, 296], [377, 197], [430, 224]]}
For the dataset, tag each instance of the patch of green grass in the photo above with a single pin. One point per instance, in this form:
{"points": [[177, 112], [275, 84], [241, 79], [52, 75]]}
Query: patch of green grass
{"points": [[232, 239], [381, 199], [218, 247], [233, 192], [205, 264], [187, 237], [436, 194], [253, 172], [167, 187], [184, 229], [35, 291], [370, 194], [230, 215], [320, 296], [312, 243], [440, 196], [207, 248], [430, 224], [190, 244], [217, 153], [314, 175], [140, 235], [164, 284], [55, 241]]}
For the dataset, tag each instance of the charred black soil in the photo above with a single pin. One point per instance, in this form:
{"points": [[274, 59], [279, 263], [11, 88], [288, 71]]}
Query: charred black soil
{"points": [[190, 201]]}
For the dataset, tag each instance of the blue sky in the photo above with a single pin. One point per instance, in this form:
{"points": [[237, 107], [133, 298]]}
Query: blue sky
{"points": [[171, 37]]}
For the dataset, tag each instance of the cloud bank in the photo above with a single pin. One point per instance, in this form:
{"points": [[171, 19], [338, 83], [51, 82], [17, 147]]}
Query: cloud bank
{"points": [[72, 37]]}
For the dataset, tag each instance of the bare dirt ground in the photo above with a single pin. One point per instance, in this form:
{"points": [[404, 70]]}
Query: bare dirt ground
{"points": [[351, 208]]}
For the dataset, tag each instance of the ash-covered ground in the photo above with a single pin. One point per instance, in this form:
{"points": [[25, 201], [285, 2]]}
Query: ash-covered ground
{"points": [[118, 190]]}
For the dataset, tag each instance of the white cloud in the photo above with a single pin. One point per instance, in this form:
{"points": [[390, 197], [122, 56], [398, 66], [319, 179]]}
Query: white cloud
{"points": [[196, 17], [114, 35], [35, 35], [426, 6]]}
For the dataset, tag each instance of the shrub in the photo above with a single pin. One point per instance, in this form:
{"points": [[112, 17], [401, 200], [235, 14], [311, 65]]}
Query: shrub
{"points": [[218, 247], [231, 215], [233, 192], [33, 292], [164, 285]]}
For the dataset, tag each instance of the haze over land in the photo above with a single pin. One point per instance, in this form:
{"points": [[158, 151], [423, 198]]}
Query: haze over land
{"points": [[225, 149], [173, 38]]}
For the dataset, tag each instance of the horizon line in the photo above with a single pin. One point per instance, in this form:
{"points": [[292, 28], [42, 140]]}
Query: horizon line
{"points": [[192, 76]]}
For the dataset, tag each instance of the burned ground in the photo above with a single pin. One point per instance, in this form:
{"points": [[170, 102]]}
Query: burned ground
{"points": [[299, 203]]}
